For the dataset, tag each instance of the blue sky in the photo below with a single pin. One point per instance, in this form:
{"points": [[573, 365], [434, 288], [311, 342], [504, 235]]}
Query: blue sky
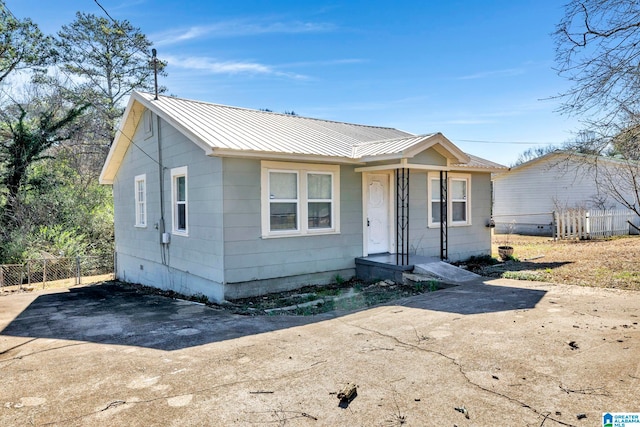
{"points": [[473, 70]]}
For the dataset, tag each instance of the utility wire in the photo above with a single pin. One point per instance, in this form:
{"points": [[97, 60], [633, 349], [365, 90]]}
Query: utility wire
{"points": [[117, 24], [509, 142], [148, 55]]}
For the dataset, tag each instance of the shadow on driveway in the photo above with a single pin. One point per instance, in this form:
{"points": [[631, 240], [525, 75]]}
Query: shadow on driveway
{"points": [[478, 298], [112, 314]]}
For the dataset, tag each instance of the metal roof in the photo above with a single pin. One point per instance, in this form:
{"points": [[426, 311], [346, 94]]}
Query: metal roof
{"points": [[479, 163], [387, 146], [233, 128], [233, 131]]}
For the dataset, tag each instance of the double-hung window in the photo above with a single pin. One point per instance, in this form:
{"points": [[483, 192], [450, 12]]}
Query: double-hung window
{"points": [[179, 201], [458, 194], [458, 200], [299, 199], [140, 188]]}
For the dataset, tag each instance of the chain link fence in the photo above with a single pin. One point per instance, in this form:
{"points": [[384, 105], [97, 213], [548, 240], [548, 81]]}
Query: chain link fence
{"points": [[56, 272]]}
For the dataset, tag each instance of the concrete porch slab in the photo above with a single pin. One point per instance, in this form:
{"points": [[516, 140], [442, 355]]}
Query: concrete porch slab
{"points": [[383, 266]]}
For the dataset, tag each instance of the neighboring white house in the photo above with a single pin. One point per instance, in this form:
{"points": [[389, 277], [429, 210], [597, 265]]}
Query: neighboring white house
{"points": [[525, 196], [231, 202]]}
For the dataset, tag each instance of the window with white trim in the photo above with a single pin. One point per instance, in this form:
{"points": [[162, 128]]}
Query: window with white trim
{"points": [[319, 200], [179, 201], [458, 203], [458, 197], [299, 199], [434, 207], [140, 187]]}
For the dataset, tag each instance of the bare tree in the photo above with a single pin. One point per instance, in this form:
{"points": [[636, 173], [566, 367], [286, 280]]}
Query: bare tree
{"points": [[598, 51], [619, 179], [533, 153]]}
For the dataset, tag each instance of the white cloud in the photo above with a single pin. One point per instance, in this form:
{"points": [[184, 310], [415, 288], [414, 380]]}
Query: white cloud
{"points": [[237, 28], [495, 73], [327, 62], [213, 66], [128, 4], [466, 122]]}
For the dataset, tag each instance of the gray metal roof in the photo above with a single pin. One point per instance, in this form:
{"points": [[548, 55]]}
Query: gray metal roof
{"points": [[232, 131], [479, 163], [234, 128], [387, 146]]}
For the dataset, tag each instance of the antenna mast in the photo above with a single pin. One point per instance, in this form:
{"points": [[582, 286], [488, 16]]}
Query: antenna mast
{"points": [[154, 53]]}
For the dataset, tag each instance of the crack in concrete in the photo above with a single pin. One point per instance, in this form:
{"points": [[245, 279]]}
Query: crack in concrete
{"points": [[464, 374], [117, 403], [38, 352], [17, 346]]}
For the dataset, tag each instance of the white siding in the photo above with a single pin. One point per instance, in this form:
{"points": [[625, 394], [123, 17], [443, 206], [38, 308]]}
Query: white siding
{"points": [[529, 194]]}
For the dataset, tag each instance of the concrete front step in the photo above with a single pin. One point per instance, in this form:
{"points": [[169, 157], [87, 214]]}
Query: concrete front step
{"points": [[445, 272]]}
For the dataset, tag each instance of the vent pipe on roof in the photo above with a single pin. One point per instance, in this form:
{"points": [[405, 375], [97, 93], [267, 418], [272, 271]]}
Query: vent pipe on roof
{"points": [[154, 53]]}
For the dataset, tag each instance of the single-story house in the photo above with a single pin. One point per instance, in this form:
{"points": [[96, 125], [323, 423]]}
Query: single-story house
{"points": [[231, 202], [526, 196]]}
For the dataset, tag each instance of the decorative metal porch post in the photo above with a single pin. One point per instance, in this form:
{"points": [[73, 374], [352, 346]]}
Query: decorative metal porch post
{"points": [[444, 226], [402, 216]]}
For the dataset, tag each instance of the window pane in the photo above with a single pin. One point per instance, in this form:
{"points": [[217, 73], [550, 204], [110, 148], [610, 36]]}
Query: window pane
{"points": [[435, 189], [458, 189], [284, 216], [320, 215], [459, 211], [182, 193], [141, 218], [182, 216], [283, 185], [319, 186], [435, 211], [140, 191]]}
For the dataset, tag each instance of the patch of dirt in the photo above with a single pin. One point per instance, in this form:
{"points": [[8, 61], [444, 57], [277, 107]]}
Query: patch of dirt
{"points": [[350, 295], [603, 263], [309, 300]]}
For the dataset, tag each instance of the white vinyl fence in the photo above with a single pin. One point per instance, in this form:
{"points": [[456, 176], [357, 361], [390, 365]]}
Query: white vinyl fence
{"points": [[593, 224]]}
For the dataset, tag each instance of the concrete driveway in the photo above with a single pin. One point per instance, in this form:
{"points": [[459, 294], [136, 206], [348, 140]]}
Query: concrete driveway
{"points": [[508, 352]]}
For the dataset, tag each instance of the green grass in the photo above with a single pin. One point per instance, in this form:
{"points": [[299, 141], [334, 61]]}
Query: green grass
{"points": [[522, 275]]}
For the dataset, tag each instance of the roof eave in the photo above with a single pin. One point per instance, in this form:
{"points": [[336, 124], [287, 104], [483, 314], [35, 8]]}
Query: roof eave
{"points": [[478, 169], [121, 141], [125, 133], [442, 145], [267, 155]]}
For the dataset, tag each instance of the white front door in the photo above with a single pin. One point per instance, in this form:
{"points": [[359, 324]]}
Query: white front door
{"points": [[377, 200]]}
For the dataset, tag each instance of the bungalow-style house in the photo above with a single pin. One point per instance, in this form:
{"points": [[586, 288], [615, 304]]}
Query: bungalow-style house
{"points": [[231, 202], [526, 196]]}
